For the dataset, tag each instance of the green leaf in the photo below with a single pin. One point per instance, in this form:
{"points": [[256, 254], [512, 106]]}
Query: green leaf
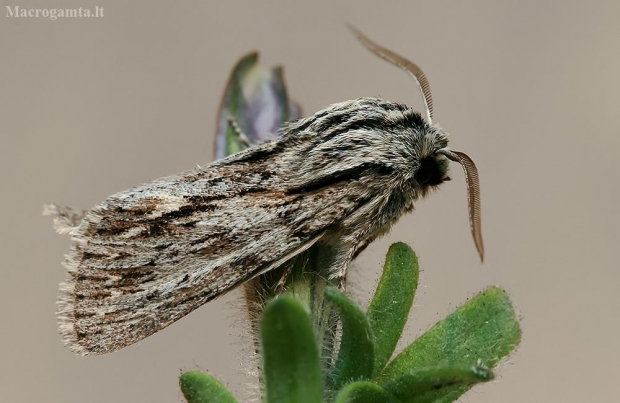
{"points": [[484, 328], [291, 363], [356, 357], [198, 387], [392, 302], [364, 392], [426, 385]]}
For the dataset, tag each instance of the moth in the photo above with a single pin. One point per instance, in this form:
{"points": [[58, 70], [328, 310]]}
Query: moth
{"points": [[147, 256]]}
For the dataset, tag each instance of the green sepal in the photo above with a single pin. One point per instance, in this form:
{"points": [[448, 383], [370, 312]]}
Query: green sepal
{"points": [[233, 101], [437, 384], [257, 99], [364, 392], [291, 363], [356, 357], [484, 329], [392, 302], [198, 387]]}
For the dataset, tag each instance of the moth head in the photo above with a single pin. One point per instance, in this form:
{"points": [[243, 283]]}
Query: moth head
{"points": [[431, 168], [434, 153]]}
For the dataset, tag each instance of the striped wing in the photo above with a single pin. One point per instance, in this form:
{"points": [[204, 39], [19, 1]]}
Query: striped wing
{"points": [[148, 256]]}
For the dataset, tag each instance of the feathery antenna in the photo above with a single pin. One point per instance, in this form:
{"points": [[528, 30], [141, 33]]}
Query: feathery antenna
{"points": [[399, 61], [473, 195]]}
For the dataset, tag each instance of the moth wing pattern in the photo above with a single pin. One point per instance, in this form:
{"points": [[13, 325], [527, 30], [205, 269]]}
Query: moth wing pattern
{"points": [[148, 256]]}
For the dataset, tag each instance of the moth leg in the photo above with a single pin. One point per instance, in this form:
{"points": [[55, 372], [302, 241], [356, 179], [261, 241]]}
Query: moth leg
{"points": [[350, 246], [361, 246], [339, 270], [242, 137], [282, 282]]}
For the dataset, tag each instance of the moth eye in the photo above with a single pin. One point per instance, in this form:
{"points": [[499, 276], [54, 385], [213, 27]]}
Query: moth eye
{"points": [[429, 173]]}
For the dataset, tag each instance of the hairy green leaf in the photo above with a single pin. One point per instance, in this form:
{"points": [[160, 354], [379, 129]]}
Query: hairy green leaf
{"points": [[356, 357], [426, 385], [364, 392], [198, 387], [392, 302], [291, 364], [484, 328]]}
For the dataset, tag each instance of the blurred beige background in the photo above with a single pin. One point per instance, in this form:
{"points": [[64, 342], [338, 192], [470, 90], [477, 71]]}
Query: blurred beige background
{"points": [[530, 89]]}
